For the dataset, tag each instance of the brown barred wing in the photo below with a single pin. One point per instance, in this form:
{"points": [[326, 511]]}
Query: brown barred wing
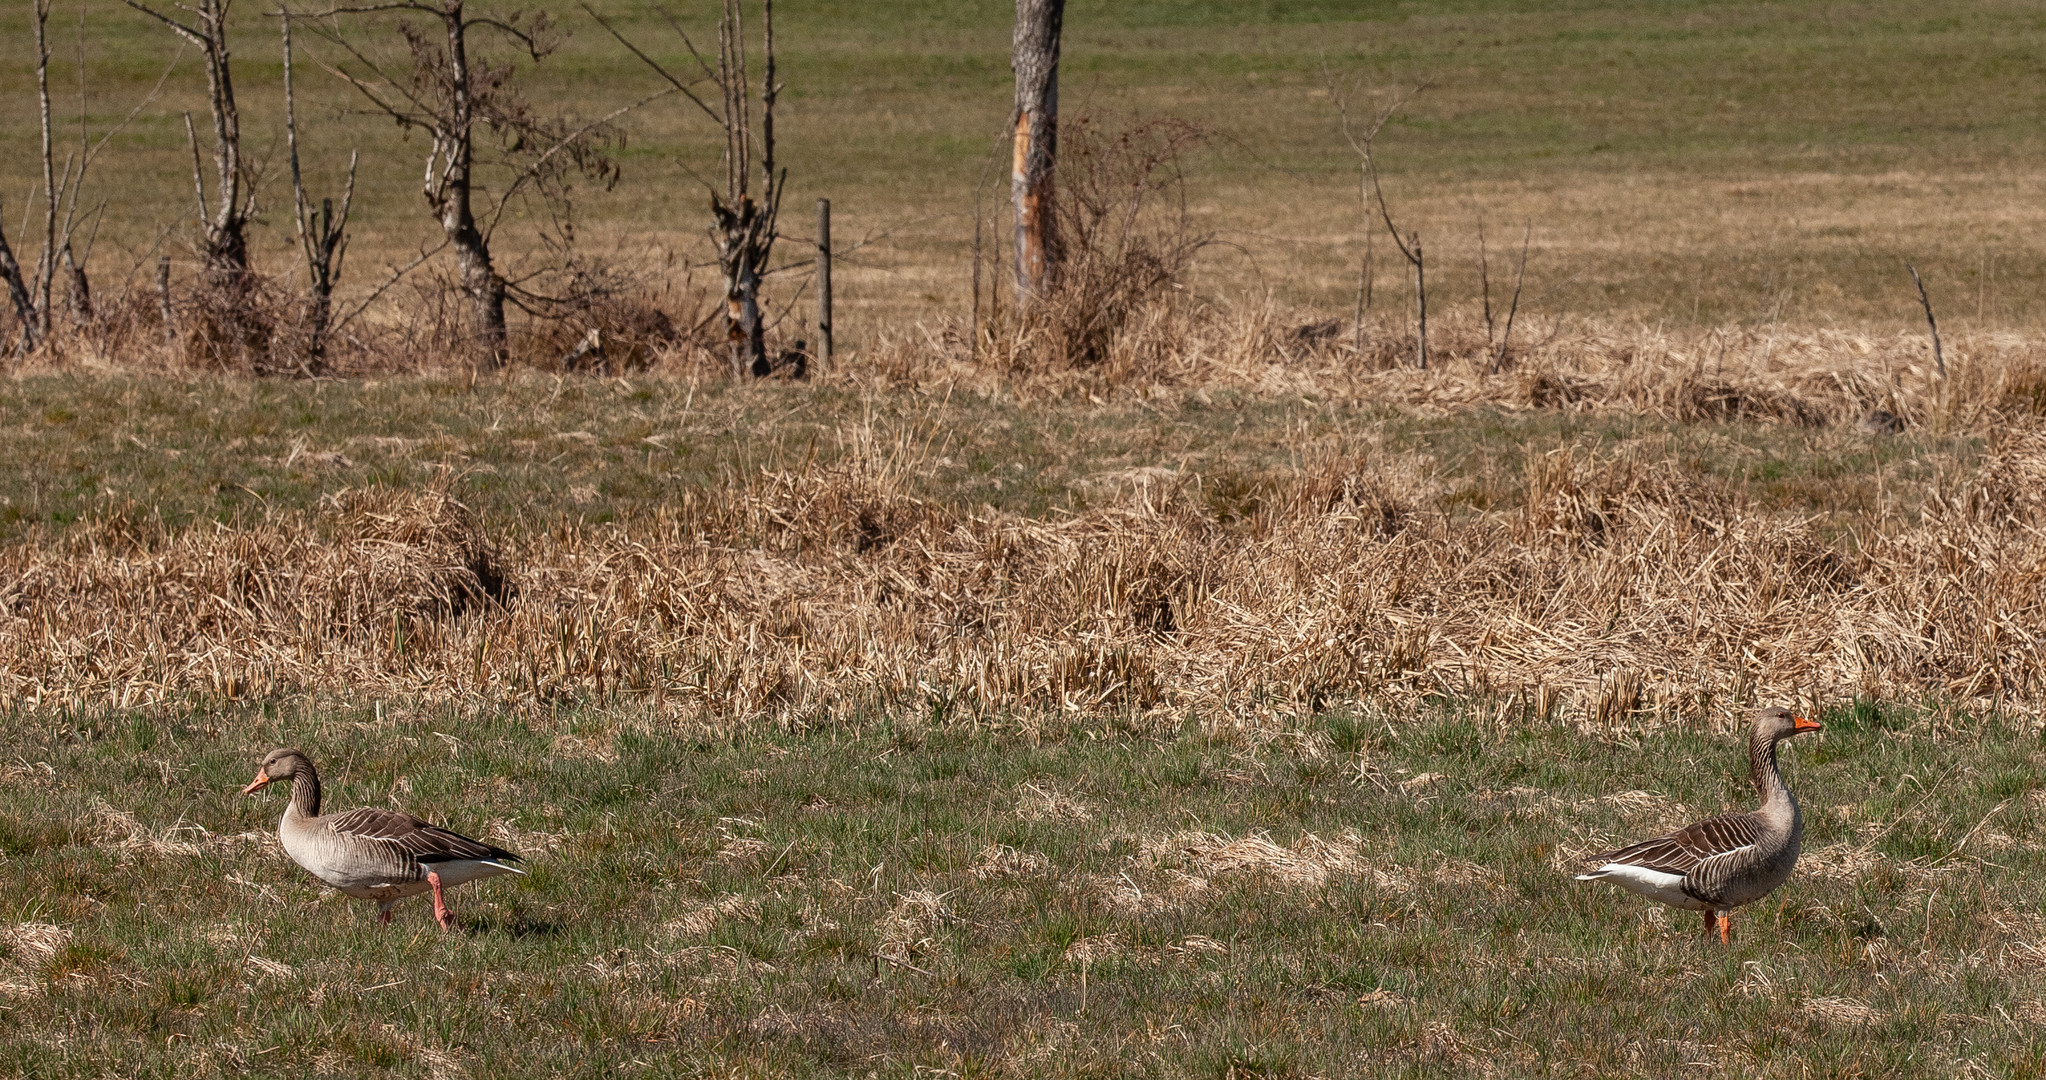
{"points": [[417, 840], [1720, 835], [1680, 852]]}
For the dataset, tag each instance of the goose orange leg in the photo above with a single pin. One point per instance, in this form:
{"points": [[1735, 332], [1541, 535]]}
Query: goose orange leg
{"points": [[1726, 928], [440, 904], [1711, 923]]}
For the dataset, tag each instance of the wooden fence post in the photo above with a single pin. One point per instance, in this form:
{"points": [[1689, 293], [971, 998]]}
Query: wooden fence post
{"points": [[823, 283], [163, 299]]}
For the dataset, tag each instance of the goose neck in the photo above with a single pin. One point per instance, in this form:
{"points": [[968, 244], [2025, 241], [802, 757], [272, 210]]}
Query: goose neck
{"points": [[1762, 768], [305, 790]]}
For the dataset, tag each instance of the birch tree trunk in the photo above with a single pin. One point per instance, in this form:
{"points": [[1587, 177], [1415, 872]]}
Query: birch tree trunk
{"points": [[227, 245], [225, 227], [1036, 62]]}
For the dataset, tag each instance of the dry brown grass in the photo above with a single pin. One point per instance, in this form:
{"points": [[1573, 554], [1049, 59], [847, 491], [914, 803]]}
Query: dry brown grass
{"points": [[1616, 587], [1174, 346]]}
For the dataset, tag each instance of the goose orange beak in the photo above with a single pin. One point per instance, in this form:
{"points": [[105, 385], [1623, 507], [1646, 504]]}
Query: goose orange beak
{"points": [[1802, 723], [261, 779]]}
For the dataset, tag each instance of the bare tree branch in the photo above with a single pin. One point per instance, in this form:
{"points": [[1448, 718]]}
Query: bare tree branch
{"points": [[1931, 323], [533, 170], [658, 69], [397, 273]]}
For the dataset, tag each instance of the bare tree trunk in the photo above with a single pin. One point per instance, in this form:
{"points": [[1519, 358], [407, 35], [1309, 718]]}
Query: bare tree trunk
{"points": [[742, 253], [323, 236], [163, 301], [1421, 301], [227, 243], [77, 287], [46, 265], [1036, 62], [450, 193], [824, 327], [17, 290], [225, 227], [750, 334], [745, 229]]}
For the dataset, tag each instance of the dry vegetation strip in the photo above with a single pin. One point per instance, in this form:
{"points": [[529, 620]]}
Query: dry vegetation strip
{"points": [[1609, 583]]}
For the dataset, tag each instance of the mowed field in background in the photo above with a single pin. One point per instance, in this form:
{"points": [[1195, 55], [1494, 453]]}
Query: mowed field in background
{"points": [[1738, 163]]}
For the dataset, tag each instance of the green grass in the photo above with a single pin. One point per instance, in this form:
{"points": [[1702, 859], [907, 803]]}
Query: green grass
{"points": [[529, 452], [1711, 164], [1454, 922]]}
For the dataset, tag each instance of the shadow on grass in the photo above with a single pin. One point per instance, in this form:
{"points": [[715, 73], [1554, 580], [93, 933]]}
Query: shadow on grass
{"points": [[517, 926]]}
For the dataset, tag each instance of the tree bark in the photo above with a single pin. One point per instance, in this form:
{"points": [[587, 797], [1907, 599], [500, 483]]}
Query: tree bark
{"points": [[1036, 62], [450, 194], [227, 245], [824, 327], [226, 248], [79, 289], [741, 252], [46, 268], [17, 290]]}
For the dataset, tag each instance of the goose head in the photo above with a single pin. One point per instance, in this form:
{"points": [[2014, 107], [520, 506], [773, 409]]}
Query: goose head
{"points": [[1777, 724], [277, 765]]}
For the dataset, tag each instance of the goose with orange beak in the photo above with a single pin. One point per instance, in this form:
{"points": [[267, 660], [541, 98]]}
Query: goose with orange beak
{"points": [[372, 854], [1724, 862]]}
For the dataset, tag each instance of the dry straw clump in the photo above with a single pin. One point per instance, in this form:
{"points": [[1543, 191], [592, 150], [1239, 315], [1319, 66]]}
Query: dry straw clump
{"points": [[1618, 590], [1307, 864], [1184, 345]]}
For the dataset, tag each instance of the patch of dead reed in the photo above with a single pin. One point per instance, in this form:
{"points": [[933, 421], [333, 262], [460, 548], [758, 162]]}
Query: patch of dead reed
{"points": [[1620, 591], [1802, 376]]}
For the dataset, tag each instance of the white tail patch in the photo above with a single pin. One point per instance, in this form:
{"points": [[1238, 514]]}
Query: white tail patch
{"points": [[1660, 886]]}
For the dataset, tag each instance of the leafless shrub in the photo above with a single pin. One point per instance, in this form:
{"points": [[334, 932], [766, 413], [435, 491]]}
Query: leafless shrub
{"points": [[229, 323], [603, 315], [1126, 241]]}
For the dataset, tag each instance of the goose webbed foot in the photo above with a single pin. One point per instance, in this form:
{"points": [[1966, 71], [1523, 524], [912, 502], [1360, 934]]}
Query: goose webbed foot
{"points": [[441, 913]]}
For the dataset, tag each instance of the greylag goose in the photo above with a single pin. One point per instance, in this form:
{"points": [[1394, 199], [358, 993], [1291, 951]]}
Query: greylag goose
{"points": [[371, 854], [1721, 863]]}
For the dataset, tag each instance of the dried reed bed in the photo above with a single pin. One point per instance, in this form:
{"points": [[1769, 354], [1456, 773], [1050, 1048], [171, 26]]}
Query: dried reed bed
{"points": [[1622, 591], [1805, 376]]}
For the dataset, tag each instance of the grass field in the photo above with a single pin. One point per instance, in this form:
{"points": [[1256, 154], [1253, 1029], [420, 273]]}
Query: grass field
{"points": [[1363, 894], [1728, 164]]}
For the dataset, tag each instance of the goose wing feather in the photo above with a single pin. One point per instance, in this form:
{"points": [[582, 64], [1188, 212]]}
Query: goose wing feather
{"points": [[1680, 852], [417, 840]]}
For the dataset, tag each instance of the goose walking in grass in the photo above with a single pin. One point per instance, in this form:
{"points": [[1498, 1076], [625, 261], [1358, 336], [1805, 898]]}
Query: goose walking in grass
{"points": [[1721, 863], [371, 854]]}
